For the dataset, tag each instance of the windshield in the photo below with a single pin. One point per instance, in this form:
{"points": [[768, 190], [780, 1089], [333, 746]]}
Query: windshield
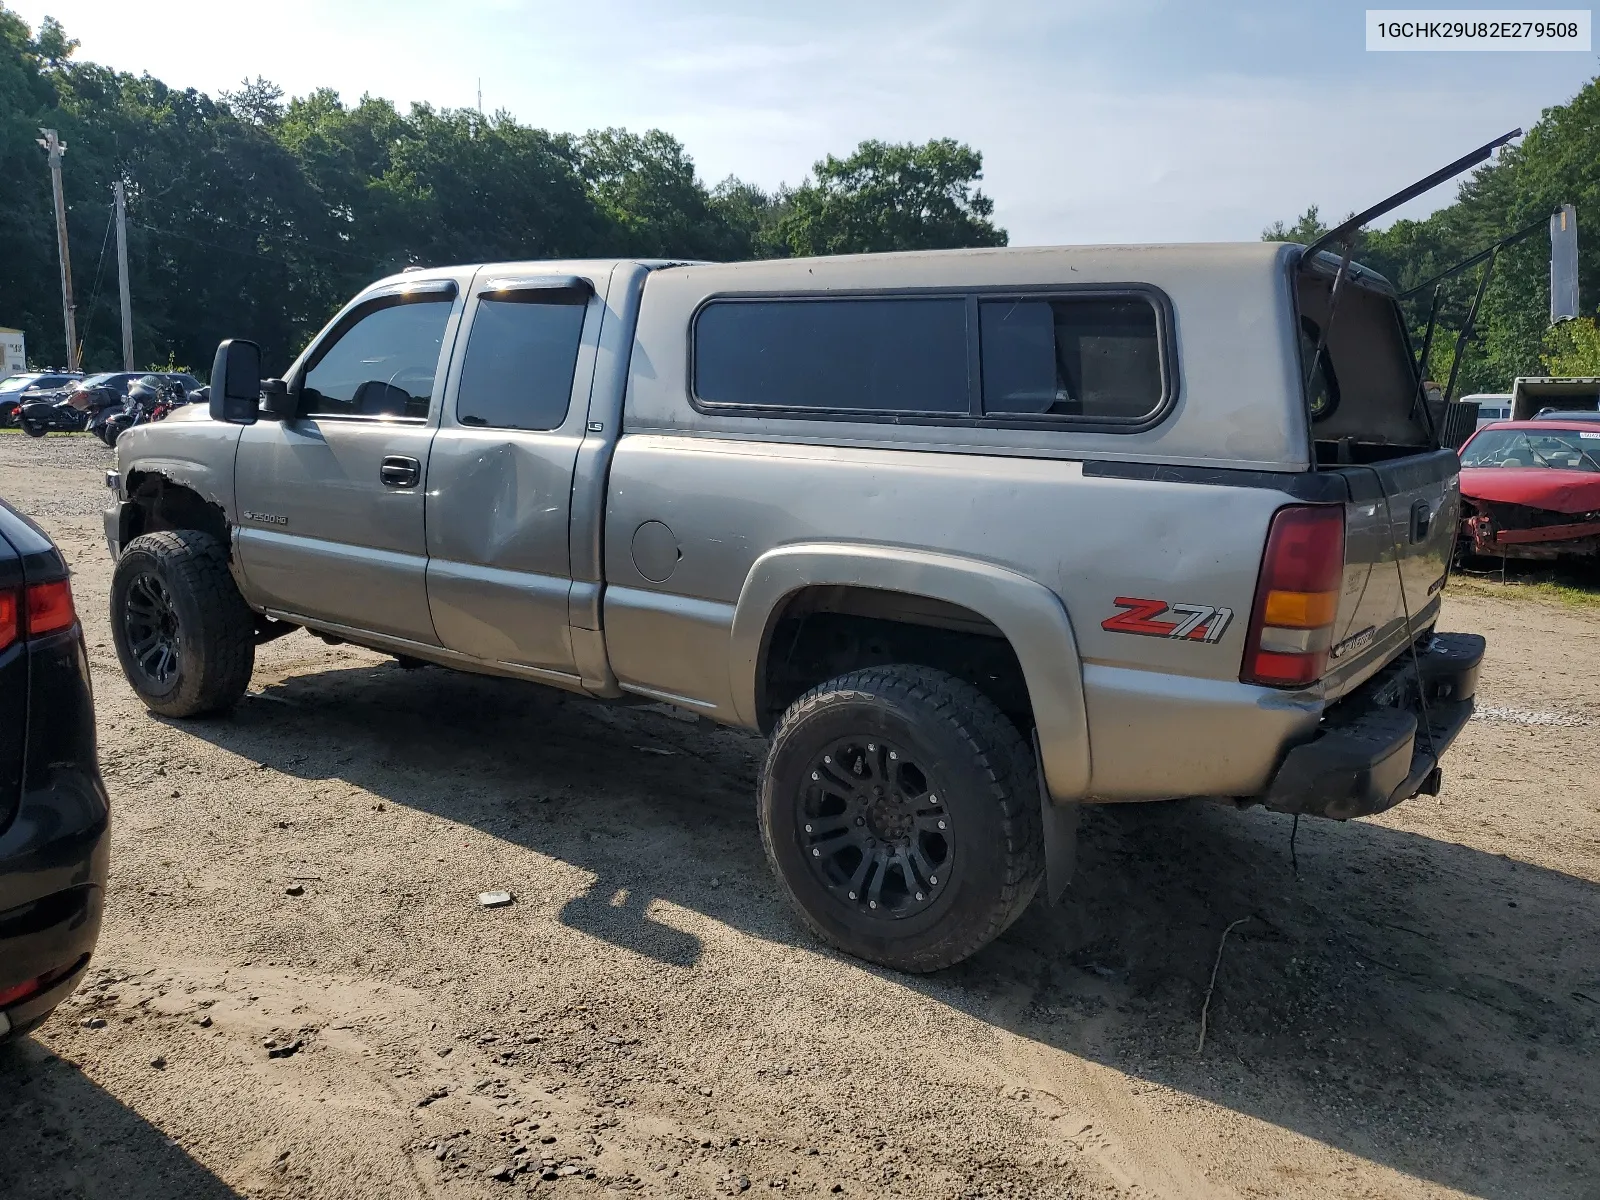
{"points": [[105, 379], [1563, 449]]}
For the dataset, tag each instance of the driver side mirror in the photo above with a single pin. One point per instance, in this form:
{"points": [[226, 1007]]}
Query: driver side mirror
{"points": [[236, 382], [278, 400]]}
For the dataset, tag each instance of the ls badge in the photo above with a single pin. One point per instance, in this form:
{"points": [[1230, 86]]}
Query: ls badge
{"points": [[1196, 623]]}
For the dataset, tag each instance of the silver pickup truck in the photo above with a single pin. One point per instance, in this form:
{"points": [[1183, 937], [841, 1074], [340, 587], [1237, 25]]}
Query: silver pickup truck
{"points": [[973, 537]]}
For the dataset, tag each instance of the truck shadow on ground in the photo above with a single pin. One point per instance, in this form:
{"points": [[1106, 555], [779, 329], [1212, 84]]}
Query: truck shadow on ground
{"points": [[1426, 1006], [66, 1137]]}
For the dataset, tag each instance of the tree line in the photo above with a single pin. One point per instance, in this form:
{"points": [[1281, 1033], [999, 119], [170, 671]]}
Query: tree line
{"points": [[1557, 162], [253, 213], [250, 213]]}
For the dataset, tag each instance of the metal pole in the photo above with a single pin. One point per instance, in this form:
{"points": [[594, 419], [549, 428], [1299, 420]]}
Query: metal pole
{"points": [[55, 149], [122, 274], [1471, 321]]}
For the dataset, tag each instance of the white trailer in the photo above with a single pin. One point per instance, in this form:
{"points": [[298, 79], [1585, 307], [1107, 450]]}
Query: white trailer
{"points": [[13, 352]]}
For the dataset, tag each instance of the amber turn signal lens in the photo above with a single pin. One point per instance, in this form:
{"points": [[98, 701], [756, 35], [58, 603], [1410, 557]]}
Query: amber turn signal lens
{"points": [[1300, 610]]}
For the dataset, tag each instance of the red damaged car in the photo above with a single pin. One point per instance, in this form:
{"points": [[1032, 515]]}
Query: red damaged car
{"points": [[1531, 489]]}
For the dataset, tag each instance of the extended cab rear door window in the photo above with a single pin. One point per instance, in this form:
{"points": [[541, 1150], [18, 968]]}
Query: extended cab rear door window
{"points": [[384, 363], [521, 354], [1092, 358], [859, 355]]}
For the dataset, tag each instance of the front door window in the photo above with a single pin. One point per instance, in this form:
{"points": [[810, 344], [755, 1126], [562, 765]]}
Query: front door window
{"points": [[381, 366]]}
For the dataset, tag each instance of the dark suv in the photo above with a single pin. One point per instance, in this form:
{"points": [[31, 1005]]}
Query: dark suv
{"points": [[54, 821]]}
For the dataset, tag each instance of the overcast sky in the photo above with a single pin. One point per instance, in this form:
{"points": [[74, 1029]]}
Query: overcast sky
{"points": [[1099, 120]]}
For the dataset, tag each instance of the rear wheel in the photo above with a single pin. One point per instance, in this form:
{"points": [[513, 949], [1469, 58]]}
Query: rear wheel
{"points": [[184, 635], [29, 428], [900, 811]]}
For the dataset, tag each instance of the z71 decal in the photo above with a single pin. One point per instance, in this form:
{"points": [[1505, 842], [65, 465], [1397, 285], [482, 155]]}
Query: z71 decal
{"points": [[1196, 623]]}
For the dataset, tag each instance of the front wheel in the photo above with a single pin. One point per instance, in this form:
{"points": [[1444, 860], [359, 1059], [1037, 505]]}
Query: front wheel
{"points": [[899, 808], [184, 635]]}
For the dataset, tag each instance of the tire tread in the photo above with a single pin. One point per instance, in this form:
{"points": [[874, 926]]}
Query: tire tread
{"points": [[198, 564], [999, 753]]}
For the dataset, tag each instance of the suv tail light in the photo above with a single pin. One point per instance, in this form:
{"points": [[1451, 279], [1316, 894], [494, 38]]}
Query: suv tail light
{"points": [[17, 993], [1297, 597], [10, 619], [36, 610], [49, 607]]}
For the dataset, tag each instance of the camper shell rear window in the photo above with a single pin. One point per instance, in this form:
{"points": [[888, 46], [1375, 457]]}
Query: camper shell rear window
{"points": [[1362, 396]]}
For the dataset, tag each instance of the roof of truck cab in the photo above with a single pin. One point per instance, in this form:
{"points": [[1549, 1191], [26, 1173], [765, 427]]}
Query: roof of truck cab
{"points": [[1124, 262], [1011, 265]]}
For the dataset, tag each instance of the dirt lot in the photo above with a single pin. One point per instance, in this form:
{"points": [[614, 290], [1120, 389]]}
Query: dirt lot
{"points": [[1416, 1014]]}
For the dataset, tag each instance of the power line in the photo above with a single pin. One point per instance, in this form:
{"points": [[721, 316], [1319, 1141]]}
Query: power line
{"points": [[94, 293]]}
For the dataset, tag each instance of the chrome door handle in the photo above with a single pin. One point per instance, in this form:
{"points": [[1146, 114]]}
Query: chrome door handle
{"points": [[400, 471]]}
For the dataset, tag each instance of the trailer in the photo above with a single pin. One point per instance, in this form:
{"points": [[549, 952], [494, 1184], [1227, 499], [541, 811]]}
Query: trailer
{"points": [[1531, 395], [13, 352]]}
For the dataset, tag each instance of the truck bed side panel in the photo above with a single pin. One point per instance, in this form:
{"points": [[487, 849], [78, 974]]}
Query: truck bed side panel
{"points": [[1090, 540]]}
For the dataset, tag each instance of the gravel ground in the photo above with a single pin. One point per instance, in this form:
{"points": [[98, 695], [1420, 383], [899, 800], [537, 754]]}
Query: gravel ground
{"points": [[293, 935]]}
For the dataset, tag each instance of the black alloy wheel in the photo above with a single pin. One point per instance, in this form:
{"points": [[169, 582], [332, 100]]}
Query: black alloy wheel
{"points": [[899, 809], [151, 628], [184, 635], [877, 835]]}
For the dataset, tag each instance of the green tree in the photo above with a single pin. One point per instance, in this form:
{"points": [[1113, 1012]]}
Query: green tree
{"points": [[1572, 348], [1304, 231], [646, 186], [462, 187], [754, 214], [891, 197], [252, 214]]}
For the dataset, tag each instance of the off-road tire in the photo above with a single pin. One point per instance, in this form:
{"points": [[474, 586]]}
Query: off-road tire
{"points": [[215, 631], [982, 767]]}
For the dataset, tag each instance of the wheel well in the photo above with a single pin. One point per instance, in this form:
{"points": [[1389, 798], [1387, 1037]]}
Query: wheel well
{"points": [[161, 504], [823, 632]]}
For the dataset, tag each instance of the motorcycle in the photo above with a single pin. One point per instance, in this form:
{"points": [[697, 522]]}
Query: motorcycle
{"points": [[149, 399], [70, 414]]}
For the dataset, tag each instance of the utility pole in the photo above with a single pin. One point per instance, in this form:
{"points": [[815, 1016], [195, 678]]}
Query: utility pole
{"points": [[55, 149], [122, 273], [480, 95]]}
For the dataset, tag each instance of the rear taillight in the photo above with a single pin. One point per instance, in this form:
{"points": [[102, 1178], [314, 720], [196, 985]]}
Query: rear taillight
{"points": [[10, 619], [17, 993], [1297, 597], [49, 607], [38, 609]]}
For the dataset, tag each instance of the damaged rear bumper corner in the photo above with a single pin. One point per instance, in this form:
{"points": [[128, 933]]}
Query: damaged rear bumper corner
{"points": [[1372, 750]]}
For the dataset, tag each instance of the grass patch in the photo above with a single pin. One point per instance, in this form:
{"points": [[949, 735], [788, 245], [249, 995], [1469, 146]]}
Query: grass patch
{"points": [[1545, 588]]}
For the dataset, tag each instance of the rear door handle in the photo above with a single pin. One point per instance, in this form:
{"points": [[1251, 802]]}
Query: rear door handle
{"points": [[400, 471]]}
